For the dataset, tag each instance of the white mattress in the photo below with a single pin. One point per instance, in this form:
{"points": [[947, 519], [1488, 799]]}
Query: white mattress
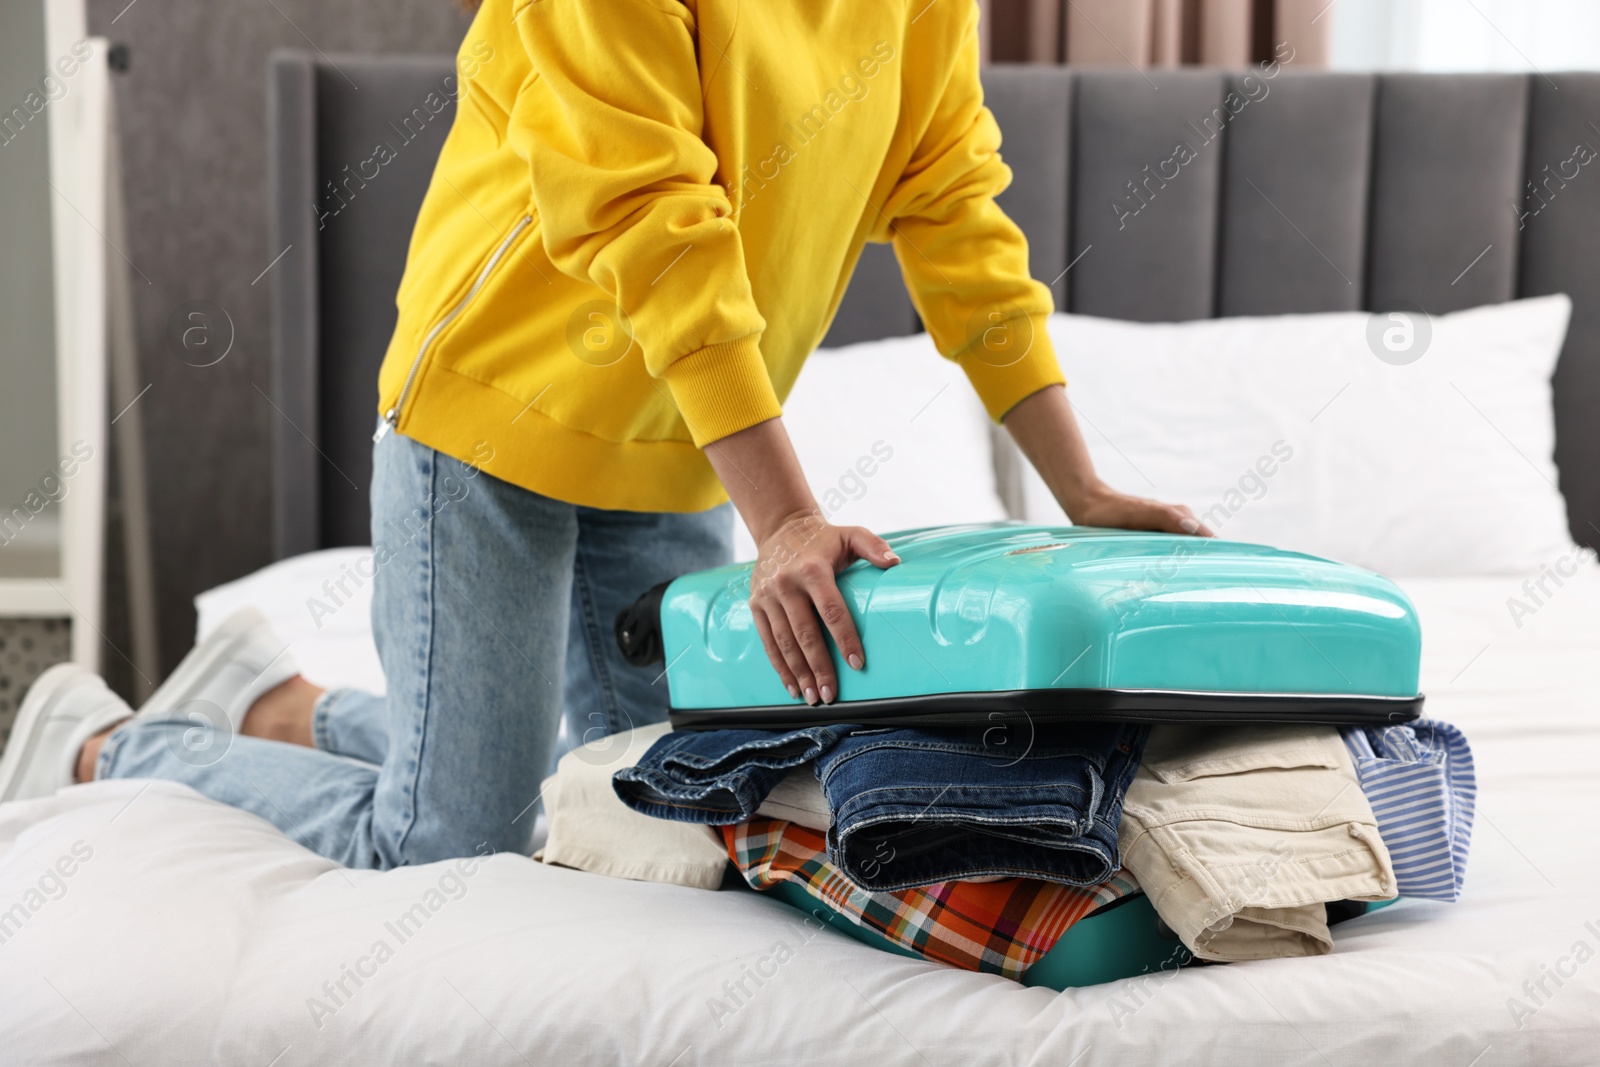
{"points": [[196, 934]]}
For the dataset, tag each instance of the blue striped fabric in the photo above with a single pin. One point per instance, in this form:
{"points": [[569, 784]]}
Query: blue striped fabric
{"points": [[1420, 783]]}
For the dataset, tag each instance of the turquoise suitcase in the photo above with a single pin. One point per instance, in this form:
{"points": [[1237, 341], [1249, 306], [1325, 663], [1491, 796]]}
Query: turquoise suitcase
{"points": [[1062, 624], [1124, 939], [1058, 624]]}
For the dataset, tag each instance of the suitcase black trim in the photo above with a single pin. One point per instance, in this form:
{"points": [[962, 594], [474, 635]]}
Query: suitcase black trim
{"points": [[1066, 706]]}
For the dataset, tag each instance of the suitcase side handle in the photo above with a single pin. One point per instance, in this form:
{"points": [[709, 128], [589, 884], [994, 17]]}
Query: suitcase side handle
{"points": [[638, 628]]}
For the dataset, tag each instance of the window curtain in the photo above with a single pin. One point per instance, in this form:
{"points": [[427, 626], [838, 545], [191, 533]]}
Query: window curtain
{"points": [[1154, 33]]}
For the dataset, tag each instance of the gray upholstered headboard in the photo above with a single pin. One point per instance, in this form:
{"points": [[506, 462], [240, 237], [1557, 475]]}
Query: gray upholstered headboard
{"points": [[1328, 192]]}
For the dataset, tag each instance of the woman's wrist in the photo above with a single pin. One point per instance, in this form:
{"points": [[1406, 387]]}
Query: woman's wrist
{"points": [[1043, 427], [764, 527], [1077, 498], [763, 478]]}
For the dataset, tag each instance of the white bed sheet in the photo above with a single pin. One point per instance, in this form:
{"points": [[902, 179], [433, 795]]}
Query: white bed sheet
{"points": [[198, 934]]}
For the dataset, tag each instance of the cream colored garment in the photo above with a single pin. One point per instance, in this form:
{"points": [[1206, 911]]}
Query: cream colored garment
{"points": [[592, 830], [798, 798], [1240, 834]]}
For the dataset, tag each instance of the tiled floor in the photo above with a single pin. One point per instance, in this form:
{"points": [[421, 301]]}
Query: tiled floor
{"points": [[27, 648]]}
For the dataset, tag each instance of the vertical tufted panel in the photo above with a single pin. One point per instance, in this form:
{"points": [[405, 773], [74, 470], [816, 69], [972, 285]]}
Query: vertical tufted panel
{"points": [[1560, 220], [296, 358], [406, 103], [1146, 228], [1038, 106], [1447, 158], [1294, 194]]}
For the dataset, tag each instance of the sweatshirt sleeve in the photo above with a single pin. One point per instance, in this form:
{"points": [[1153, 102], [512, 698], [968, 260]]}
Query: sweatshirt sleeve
{"points": [[966, 263], [610, 125]]}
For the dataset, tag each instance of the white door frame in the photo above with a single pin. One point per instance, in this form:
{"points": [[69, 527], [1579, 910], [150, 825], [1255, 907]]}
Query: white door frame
{"points": [[79, 132]]}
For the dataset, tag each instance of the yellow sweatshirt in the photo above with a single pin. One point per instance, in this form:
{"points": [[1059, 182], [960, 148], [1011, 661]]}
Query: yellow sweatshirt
{"points": [[647, 211]]}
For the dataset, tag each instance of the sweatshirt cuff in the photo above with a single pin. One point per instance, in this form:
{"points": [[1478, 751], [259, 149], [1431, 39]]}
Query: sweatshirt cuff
{"points": [[722, 389], [1010, 362]]}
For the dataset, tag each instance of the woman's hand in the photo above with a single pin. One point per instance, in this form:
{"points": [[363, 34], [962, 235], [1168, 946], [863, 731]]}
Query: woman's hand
{"points": [[793, 586], [1107, 507]]}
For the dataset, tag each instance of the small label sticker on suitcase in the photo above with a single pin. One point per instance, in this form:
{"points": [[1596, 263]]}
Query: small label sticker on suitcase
{"points": [[1040, 548]]}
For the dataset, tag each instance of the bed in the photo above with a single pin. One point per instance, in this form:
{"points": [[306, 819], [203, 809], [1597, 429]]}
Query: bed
{"points": [[195, 933], [189, 932]]}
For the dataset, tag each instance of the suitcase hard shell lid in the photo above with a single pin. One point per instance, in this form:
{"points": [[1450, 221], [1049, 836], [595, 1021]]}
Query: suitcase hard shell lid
{"points": [[1062, 624]]}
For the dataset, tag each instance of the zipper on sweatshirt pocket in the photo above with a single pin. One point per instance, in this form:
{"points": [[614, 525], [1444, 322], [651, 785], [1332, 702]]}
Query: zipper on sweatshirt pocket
{"points": [[391, 418]]}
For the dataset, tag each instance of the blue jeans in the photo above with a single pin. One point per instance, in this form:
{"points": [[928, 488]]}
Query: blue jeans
{"points": [[915, 807], [492, 610]]}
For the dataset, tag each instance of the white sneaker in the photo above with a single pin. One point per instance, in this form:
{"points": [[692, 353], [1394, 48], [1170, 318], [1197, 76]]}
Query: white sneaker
{"points": [[67, 705], [236, 663]]}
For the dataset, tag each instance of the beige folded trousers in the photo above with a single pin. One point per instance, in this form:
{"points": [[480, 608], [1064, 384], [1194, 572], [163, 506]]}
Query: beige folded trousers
{"points": [[1240, 834], [591, 829]]}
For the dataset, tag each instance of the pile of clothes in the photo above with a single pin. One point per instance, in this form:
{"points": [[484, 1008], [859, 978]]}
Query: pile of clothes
{"points": [[980, 848]]}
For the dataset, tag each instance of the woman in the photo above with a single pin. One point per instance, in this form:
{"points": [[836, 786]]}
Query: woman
{"points": [[640, 225]]}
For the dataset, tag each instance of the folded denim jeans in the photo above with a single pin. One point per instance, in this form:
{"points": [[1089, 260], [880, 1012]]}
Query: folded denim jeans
{"points": [[718, 777], [915, 807]]}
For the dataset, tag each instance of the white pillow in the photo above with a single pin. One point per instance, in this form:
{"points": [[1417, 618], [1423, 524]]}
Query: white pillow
{"points": [[891, 436], [1291, 431], [319, 602]]}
